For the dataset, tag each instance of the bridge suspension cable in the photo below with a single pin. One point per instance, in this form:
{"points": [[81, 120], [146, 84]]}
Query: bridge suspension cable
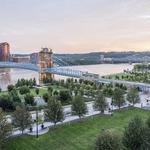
{"points": [[60, 62]]}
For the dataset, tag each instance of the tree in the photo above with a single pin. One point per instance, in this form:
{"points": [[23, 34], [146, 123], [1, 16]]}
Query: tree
{"points": [[5, 129], [118, 97], [133, 96], [29, 99], [37, 91], [6, 103], [81, 91], [55, 93], [24, 90], [64, 96], [54, 111], [10, 87], [34, 82], [50, 90], [108, 140], [100, 103], [22, 118], [18, 84], [80, 81], [148, 122], [136, 135], [46, 97], [75, 91], [78, 106], [23, 82], [15, 96]]}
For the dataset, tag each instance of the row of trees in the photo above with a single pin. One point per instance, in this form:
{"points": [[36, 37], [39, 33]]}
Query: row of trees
{"points": [[26, 82], [84, 87], [79, 106], [135, 137], [118, 99], [141, 75]]}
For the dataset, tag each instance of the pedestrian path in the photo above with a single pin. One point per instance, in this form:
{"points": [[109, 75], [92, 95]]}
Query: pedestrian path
{"points": [[91, 112]]}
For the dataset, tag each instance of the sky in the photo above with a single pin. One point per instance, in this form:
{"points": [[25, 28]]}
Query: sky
{"points": [[75, 26]]}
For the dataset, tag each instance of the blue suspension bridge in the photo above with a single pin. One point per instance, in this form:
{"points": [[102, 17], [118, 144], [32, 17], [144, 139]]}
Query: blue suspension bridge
{"points": [[64, 71]]}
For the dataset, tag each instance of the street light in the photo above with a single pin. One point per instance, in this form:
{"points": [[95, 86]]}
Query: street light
{"points": [[37, 132], [112, 105]]}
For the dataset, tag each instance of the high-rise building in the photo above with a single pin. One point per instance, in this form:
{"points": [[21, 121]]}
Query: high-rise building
{"points": [[4, 51]]}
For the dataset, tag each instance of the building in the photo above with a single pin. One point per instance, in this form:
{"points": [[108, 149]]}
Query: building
{"points": [[34, 58], [45, 61], [21, 59], [4, 51], [108, 60], [101, 58]]}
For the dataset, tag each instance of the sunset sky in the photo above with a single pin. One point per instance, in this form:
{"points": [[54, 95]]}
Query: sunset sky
{"points": [[75, 26]]}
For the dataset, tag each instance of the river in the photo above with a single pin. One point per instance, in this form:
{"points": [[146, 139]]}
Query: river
{"points": [[10, 76]]}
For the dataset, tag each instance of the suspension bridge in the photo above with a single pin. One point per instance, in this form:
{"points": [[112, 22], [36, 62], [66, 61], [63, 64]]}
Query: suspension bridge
{"points": [[64, 71]]}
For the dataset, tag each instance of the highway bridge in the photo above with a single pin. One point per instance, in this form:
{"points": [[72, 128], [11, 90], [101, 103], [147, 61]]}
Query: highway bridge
{"points": [[64, 71]]}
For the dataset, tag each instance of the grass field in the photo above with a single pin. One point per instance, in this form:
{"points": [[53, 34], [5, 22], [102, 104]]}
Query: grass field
{"points": [[77, 136]]}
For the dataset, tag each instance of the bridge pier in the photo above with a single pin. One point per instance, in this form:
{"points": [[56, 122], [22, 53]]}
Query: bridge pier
{"points": [[47, 76]]}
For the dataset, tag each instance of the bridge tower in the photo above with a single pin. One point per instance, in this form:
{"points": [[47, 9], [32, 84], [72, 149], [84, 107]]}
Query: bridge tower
{"points": [[45, 61]]}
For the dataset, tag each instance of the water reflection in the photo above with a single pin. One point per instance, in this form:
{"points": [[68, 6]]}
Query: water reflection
{"points": [[5, 77], [10, 76]]}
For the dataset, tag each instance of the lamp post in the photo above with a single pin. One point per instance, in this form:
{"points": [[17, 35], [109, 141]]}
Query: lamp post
{"points": [[112, 105], [37, 132]]}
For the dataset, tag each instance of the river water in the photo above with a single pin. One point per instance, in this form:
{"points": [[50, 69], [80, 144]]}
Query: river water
{"points": [[10, 76]]}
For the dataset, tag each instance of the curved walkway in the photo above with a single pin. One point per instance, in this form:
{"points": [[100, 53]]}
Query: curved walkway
{"points": [[40, 132]]}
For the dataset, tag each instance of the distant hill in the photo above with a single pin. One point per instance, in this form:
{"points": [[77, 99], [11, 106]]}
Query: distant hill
{"points": [[105, 57], [102, 57]]}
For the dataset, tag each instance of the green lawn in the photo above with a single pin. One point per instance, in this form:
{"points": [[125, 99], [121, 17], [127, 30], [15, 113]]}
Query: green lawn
{"points": [[44, 90], [77, 136], [41, 90]]}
